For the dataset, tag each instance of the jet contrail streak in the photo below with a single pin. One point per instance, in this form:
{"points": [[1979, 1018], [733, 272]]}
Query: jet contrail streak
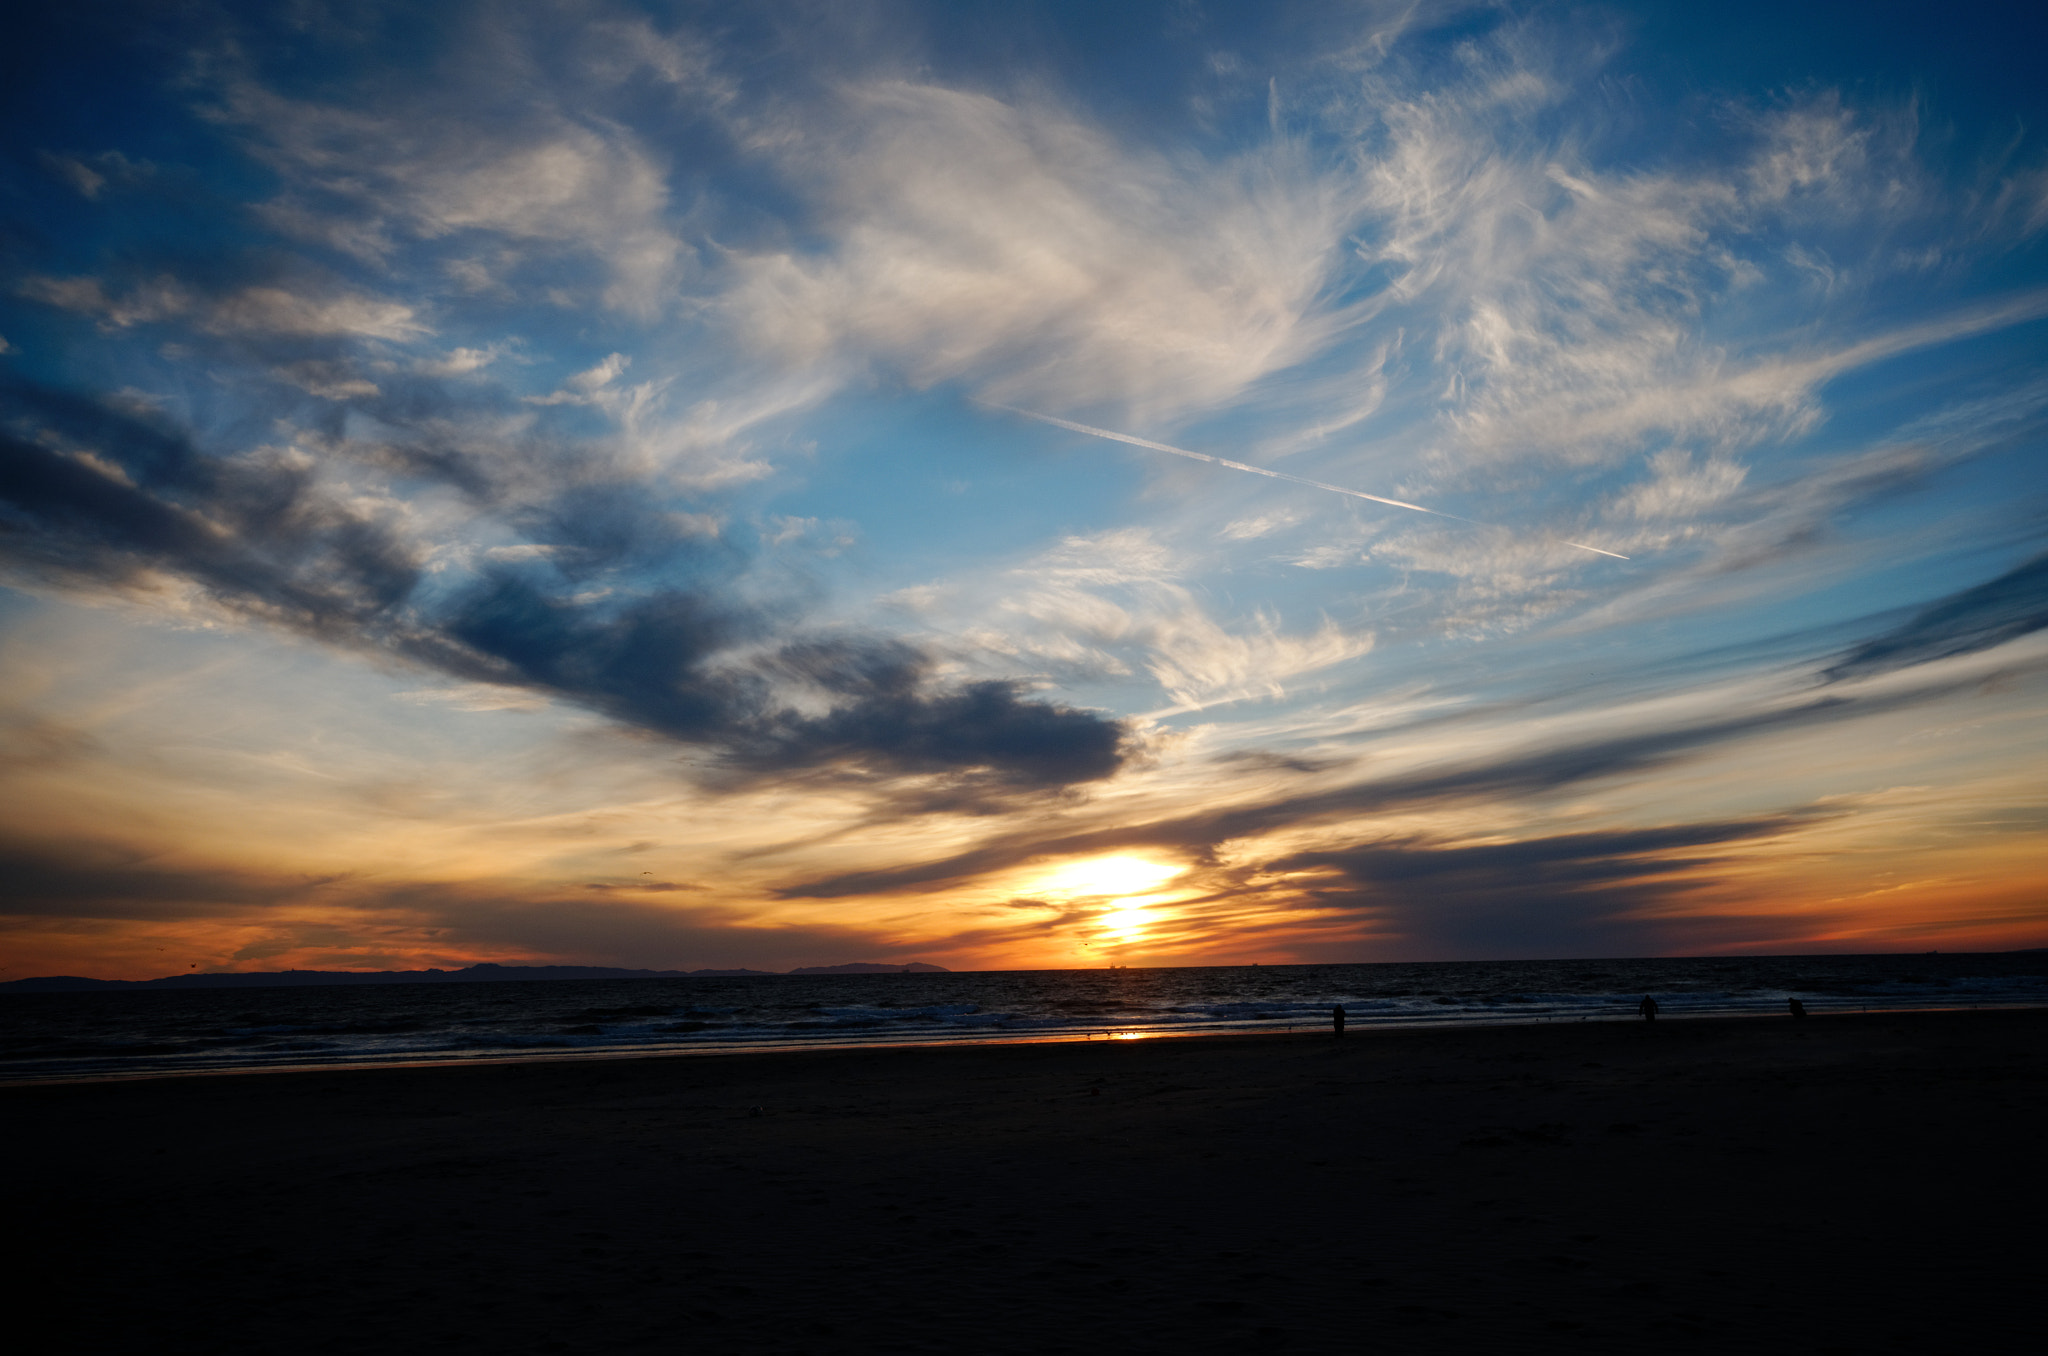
{"points": [[1214, 461], [1116, 437]]}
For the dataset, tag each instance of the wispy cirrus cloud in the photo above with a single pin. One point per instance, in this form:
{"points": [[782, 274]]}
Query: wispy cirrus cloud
{"points": [[1119, 604], [1010, 245], [494, 159], [252, 311], [1580, 308]]}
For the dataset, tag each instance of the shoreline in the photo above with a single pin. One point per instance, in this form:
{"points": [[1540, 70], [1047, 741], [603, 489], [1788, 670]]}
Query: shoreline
{"points": [[1358, 1029], [1851, 1182]]}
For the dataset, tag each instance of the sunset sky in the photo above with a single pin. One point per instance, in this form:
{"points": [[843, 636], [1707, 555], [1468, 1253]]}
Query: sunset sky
{"points": [[702, 485]]}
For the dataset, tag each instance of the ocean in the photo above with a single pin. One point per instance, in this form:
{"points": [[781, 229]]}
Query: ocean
{"points": [[46, 1036]]}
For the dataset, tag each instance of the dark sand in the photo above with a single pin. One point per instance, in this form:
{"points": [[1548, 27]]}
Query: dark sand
{"points": [[1843, 1184]]}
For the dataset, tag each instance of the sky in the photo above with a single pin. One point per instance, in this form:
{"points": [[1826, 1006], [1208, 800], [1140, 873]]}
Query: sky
{"points": [[1025, 486]]}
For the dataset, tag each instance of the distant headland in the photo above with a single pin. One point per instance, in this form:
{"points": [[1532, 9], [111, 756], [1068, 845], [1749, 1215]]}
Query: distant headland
{"points": [[473, 974]]}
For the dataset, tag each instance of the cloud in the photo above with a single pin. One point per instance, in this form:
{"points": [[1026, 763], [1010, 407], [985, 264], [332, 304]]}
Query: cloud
{"points": [[272, 310], [1518, 775], [327, 379], [257, 311], [1107, 606], [1582, 310], [650, 663], [91, 176], [1519, 316], [1980, 618], [496, 153], [229, 915], [114, 497], [1575, 893], [32, 742], [156, 300], [1679, 489], [1560, 294], [1741, 544], [82, 879], [82, 177], [1011, 245], [137, 495], [587, 383], [509, 920], [460, 362]]}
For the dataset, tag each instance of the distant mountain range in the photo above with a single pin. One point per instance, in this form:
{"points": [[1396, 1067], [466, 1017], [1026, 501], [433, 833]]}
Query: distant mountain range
{"points": [[474, 974]]}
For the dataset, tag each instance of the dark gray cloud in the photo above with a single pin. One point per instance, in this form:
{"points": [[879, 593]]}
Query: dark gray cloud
{"points": [[83, 879], [1569, 861], [263, 538], [1979, 618], [1578, 893], [254, 534]]}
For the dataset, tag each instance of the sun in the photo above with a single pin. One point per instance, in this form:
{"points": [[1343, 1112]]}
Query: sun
{"points": [[1123, 892], [1097, 877], [1126, 924]]}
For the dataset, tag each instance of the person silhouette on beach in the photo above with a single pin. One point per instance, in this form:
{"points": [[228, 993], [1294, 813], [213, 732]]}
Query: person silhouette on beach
{"points": [[1337, 1021], [1648, 1007], [1798, 1008]]}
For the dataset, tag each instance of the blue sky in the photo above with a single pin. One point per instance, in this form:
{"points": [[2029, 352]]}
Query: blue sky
{"points": [[692, 485]]}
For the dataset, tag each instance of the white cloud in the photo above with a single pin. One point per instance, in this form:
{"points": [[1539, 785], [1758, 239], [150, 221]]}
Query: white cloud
{"points": [[1680, 489], [1578, 310], [1015, 247], [584, 386], [461, 361], [1818, 148], [273, 310], [474, 697], [1259, 525], [1108, 606], [328, 380], [252, 310], [448, 161], [603, 374]]}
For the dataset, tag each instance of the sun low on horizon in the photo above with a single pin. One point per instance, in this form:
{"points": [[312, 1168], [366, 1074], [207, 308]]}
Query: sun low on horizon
{"points": [[611, 482]]}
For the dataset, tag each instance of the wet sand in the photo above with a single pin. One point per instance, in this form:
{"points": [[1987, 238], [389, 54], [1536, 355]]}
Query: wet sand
{"points": [[1845, 1184]]}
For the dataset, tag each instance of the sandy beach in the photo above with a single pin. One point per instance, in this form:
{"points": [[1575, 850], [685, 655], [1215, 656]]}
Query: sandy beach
{"points": [[1853, 1183]]}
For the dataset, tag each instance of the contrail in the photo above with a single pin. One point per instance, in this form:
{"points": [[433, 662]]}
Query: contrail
{"points": [[1116, 437]]}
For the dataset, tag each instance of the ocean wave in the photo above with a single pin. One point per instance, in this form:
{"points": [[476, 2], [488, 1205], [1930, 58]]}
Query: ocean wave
{"points": [[96, 1034]]}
